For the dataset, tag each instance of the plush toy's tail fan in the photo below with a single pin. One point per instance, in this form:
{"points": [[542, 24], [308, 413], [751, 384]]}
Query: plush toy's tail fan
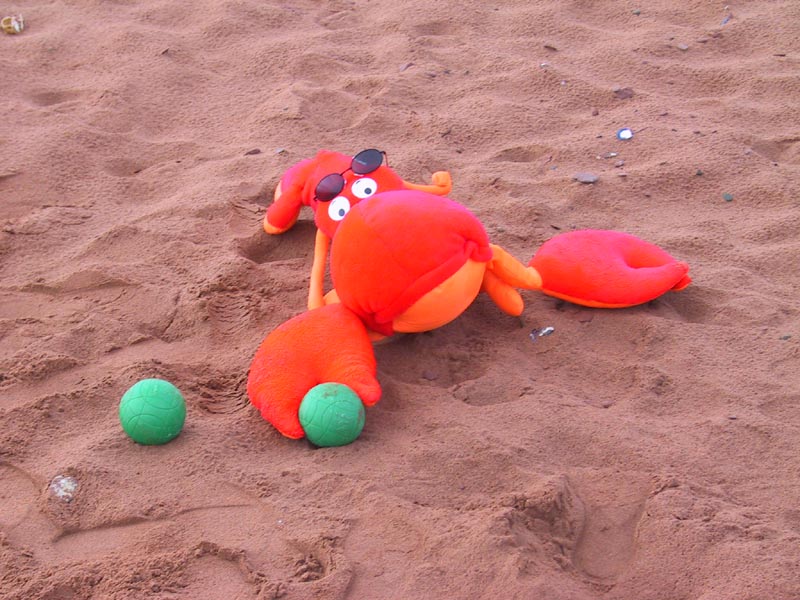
{"points": [[329, 344], [607, 269], [283, 212]]}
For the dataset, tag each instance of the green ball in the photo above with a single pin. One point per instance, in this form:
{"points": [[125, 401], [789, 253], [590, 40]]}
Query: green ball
{"points": [[152, 411], [331, 415]]}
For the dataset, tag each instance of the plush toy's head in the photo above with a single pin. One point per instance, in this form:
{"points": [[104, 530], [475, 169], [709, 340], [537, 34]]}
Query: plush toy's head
{"points": [[331, 184]]}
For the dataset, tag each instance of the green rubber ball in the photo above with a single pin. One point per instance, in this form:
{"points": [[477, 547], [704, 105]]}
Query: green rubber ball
{"points": [[331, 415], [152, 411]]}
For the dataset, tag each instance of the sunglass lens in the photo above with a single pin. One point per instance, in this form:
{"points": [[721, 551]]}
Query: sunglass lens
{"points": [[329, 187], [366, 161]]}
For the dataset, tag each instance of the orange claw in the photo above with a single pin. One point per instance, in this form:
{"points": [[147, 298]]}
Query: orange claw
{"points": [[329, 344], [607, 269]]}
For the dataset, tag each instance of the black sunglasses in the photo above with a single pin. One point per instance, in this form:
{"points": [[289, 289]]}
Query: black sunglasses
{"points": [[364, 162]]}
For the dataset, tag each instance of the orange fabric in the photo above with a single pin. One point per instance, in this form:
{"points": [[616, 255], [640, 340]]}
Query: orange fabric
{"points": [[441, 184], [504, 275], [444, 302], [395, 247], [329, 344], [607, 269], [316, 286], [502, 294], [513, 272]]}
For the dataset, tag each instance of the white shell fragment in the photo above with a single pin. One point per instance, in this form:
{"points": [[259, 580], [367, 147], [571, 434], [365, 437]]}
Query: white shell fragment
{"points": [[64, 487], [625, 133], [13, 24], [544, 331]]}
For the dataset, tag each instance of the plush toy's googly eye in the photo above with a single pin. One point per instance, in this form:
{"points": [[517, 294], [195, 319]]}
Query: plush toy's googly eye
{"points": [[364, 187], [338, 208]]}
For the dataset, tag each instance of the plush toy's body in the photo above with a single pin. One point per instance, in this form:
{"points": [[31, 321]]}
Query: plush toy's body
{"points": [[404, 259]]}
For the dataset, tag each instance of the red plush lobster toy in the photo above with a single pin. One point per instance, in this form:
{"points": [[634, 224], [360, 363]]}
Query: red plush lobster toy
{"points": [[405, 258]]}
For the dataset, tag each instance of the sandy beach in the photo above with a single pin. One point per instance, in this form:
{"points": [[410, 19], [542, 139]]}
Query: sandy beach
{"points": [[647, 453]]}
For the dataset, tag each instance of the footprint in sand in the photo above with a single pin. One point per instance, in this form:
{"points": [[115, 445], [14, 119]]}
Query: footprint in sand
{"points": [[224, 544], [20, 519], [523, 154], [587, 528], [498, 387], [229, 313], [454, 355], [222, 393], [245, 222], [614, 504], [47, 98], [545, 522], [781, 150]]}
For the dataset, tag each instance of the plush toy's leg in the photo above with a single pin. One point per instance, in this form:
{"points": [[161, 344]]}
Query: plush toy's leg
{"points": [[289, 195], [282, 212], [326, 345], [503, 275], [441, 184], [316, 297], [607, 269]]}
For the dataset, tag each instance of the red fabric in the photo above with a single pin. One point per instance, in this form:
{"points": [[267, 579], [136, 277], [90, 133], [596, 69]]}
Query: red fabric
{"points": [[607, 268], [395, 247], [329, 344], [300, 181], [284, 210]]}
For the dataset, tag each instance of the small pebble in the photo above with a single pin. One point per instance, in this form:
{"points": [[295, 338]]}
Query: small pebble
{"points": [[253, 151], [619, 163], [699, 173], [429, 375], [595, 112], [586, 177], [786, 337], [607, 404], [727, 197], [623, 93], [636, 12], [683, 47]]}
